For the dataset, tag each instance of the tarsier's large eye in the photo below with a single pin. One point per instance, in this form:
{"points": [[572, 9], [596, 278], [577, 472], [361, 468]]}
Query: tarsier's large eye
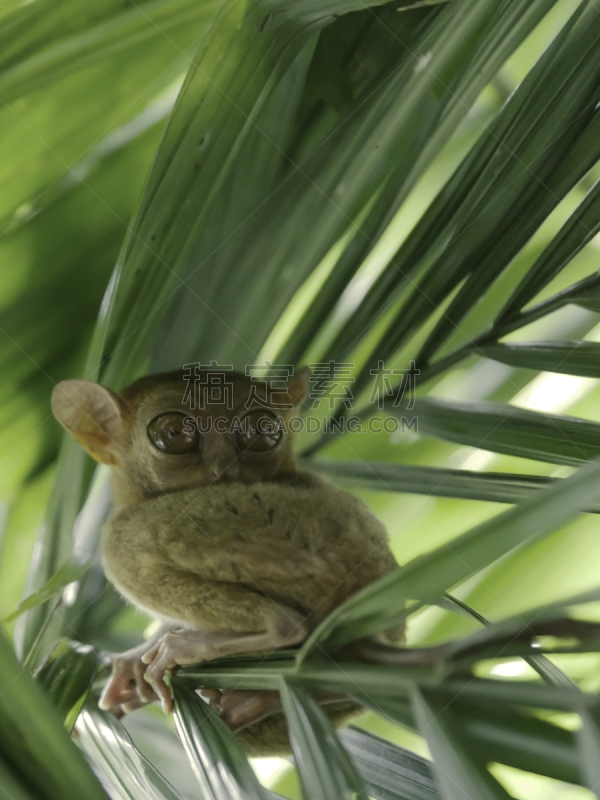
{"points": [[260, 431], [173, 433]]}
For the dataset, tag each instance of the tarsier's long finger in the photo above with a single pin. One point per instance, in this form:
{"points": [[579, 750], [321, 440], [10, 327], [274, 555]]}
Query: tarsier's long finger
{"points": [[151, 654], [211, 694], [127, 708], [156, 680], [155, 676], [117, 691], [117, 712], [145, 692]]}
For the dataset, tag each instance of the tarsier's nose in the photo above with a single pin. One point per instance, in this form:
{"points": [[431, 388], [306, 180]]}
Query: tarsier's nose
{"points": [[217, 471], [222, 475], [220, 461]]}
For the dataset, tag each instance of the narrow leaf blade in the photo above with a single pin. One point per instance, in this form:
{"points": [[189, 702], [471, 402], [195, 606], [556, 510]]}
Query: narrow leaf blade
{"points": [[325, 768], [503, 428], [32, 733], [216, 756], [383, 604], [69, 572], [392, 771], [460, 774], [495, 487], [567, 358], [120, 763]]}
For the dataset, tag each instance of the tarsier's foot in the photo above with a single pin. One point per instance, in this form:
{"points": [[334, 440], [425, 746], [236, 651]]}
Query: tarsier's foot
{"points": [[127, 689], [240, 707]]}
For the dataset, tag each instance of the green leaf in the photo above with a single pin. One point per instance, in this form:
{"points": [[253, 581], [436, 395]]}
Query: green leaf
{"points": [[503, 428], [325, 768], [501, 640], [32, 733], [589, 300], [122, 766], [580, 228], [392, 772], [380, 686], [516, 737], [589, 742], [99, 204], [459, 773], [493, 185], [216, 756], [542, 665], [380, 143], [69, 572], [14, 787], [383, 604], [406, 5], [518, 637], [68, 676], [207, 138], [38, 45], [538, 160], [505, 733], [466, 45], [568, 358], [496, 487], [240, 672], [519, 693]]}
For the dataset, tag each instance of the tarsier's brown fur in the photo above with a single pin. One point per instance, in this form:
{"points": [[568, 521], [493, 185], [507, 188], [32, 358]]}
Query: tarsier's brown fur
{"points": [[233, 550]]}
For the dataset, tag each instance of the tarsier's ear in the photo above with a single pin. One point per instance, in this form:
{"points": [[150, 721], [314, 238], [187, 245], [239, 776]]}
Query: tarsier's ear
{"points": [[298, 385], [93, 415]]}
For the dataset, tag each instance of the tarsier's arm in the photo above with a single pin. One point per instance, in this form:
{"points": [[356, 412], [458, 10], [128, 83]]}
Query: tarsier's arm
{"points": [[309, 548]]}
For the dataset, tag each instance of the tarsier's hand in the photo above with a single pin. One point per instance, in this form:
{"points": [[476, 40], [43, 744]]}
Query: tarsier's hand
{"points": [[127, 688], [182, 646], [176, 648], [138, 675]]}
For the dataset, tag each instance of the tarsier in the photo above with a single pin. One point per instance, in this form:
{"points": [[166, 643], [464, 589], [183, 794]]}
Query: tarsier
{"points": [[217, 534]]}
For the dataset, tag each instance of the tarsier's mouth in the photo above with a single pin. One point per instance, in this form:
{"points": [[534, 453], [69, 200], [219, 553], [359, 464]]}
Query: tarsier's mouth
{"points": [[222, 479]]}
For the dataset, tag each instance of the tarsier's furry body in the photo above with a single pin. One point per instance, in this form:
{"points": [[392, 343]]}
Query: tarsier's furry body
{"points": [[217, 535]]}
